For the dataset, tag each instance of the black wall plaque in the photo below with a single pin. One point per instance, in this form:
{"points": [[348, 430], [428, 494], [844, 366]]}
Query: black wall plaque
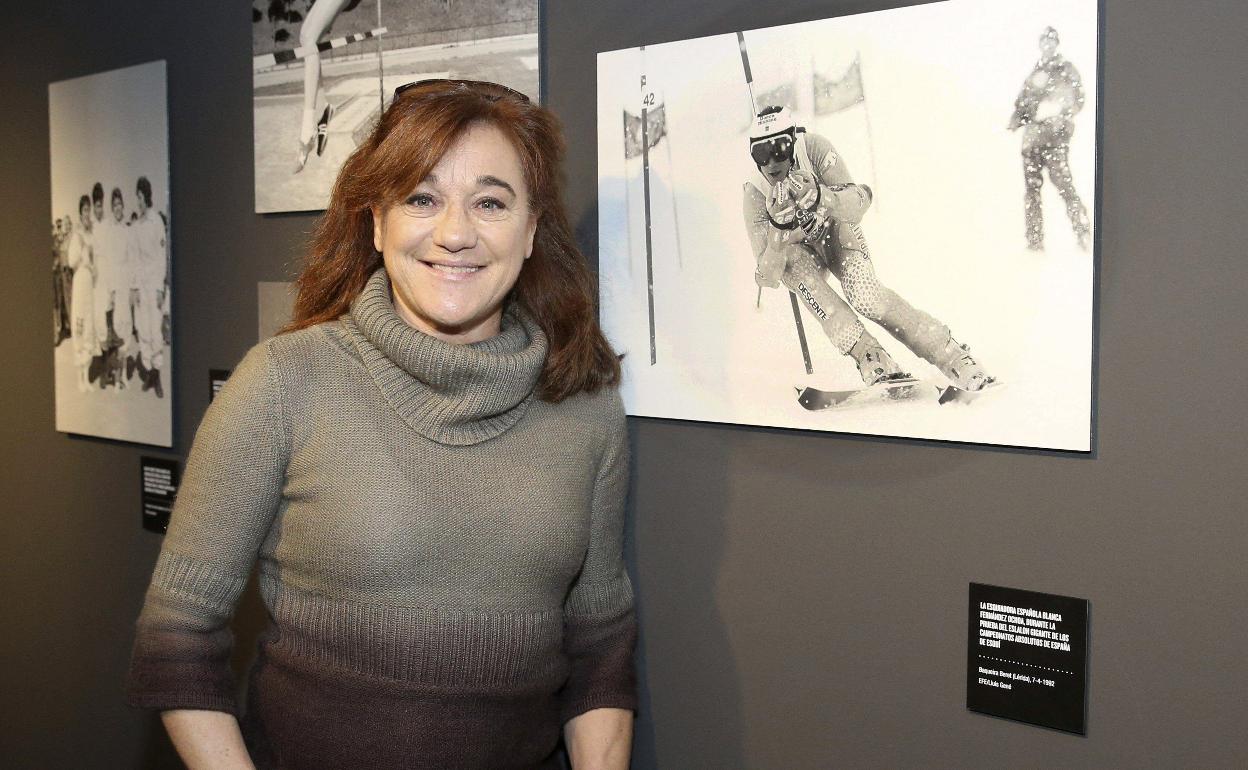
{"points": [[158, 479], [216, 379], [1027, 657]]}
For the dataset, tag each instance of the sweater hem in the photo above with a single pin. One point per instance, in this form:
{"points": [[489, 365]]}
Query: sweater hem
{"points": [[169, 701], [626, 701]]}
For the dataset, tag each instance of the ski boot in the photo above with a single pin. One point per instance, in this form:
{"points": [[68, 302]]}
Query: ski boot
{"points": [[874, 363], [960, 367]]}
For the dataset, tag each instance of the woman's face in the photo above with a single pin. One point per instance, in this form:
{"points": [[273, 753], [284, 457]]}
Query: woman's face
{"points": [[84, 216], [455, 247]]}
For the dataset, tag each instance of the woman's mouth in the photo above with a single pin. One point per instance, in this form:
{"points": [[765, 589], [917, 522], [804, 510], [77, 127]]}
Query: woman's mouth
{"points": [[454, 269]]}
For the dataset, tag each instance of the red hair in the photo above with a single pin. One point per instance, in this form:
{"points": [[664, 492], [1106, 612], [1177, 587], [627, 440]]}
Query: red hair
{"points": [[555, 285]]}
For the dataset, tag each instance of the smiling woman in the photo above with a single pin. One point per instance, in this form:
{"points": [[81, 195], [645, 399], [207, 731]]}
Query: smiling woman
{"points": [[429, 468], [413, 136], [454, 248]]}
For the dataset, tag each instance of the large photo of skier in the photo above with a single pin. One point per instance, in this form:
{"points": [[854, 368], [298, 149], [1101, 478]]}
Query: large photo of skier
{"points": [[750, 276], [323, 70], [110, 246]]}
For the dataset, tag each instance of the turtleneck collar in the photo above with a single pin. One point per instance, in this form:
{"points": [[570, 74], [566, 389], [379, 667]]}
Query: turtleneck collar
{"points": [[452, 394]]}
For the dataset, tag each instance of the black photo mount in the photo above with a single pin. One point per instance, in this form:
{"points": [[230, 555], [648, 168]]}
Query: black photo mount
{"points": [[1027, 657], [158, 483]]}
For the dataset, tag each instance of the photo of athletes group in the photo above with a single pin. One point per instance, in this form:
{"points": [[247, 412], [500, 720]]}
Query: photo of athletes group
{"points": [[839, 225], [110, 255], [111, 289]]}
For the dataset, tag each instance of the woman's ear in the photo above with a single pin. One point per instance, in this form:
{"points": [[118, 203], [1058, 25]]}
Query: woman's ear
{"points": [[379, 228], [533, 219]]}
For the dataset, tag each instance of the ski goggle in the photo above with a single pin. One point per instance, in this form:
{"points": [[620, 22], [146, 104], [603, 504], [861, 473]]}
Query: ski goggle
{"points": [[772, 148]]}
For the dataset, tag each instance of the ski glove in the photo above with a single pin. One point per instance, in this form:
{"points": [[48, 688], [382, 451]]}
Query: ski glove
{"points": [[799, 201]]}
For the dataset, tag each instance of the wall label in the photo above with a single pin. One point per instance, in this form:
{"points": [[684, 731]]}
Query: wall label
{"points": [[216, 381], [158, 480], [1027, 657]]}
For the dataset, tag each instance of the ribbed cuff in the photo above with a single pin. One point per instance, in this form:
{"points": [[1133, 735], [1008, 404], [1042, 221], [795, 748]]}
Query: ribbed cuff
{"points": [[170, 701], [598, 700], [602, 674]]}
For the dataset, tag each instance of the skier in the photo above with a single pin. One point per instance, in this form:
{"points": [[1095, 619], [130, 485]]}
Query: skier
{"points": [[1051, 97], [802, 212]]}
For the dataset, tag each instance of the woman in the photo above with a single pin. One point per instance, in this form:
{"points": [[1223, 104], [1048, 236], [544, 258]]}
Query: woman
{"points": [[82, 311], [147, 247], [430, 467], [111, 294]]}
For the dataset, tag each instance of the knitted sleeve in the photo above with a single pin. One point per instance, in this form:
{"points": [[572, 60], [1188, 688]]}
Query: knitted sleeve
{"points": [[599, 627], [228, 498]]}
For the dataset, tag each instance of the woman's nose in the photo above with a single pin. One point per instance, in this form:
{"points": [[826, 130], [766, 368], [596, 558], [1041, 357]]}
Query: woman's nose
{"points": [[455, 229]]}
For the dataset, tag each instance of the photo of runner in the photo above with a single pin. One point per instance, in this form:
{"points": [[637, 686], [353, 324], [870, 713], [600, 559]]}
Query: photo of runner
{"points": [[324, 69]]}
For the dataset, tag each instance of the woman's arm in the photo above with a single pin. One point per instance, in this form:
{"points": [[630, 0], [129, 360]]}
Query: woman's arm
{"points": [[229, 496], [207, 739], [600, 739], [599, 624]]}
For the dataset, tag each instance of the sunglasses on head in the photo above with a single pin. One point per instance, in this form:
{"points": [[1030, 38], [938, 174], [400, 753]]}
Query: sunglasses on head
{"points": [[491, 91], [773, 148]]}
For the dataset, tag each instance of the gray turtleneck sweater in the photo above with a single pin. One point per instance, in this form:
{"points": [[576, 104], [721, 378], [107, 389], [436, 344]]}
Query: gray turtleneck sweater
{"points": [[439, 551]]}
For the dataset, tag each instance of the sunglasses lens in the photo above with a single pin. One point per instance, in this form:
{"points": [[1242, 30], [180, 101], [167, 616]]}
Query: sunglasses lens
{"points": [[489, 90]]}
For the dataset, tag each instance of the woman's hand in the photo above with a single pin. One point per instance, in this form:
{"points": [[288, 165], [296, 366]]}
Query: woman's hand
{"points": [[600, 739]]}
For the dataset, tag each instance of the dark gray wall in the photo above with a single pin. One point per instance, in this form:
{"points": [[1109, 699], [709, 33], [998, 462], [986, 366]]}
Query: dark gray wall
{"points": [[802, 596]]}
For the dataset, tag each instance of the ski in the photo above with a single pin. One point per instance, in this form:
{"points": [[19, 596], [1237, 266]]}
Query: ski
{"points": [[817, 400], [951, 394], [906, 389]]}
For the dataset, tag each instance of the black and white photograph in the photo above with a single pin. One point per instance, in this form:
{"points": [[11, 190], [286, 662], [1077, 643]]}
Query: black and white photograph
{"points": [[877, 224], [109, 142], [323, 71]]}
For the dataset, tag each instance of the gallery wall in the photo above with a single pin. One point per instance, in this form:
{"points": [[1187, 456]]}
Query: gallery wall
{"points": [[802, 596]]}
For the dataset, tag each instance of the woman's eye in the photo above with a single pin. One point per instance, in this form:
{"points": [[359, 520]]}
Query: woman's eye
{"points": [[491, 204], [421, 200]]}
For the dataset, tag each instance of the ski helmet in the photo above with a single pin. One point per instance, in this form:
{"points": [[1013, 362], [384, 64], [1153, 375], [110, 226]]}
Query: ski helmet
{"points": [[771, 122], [772, 136]]}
